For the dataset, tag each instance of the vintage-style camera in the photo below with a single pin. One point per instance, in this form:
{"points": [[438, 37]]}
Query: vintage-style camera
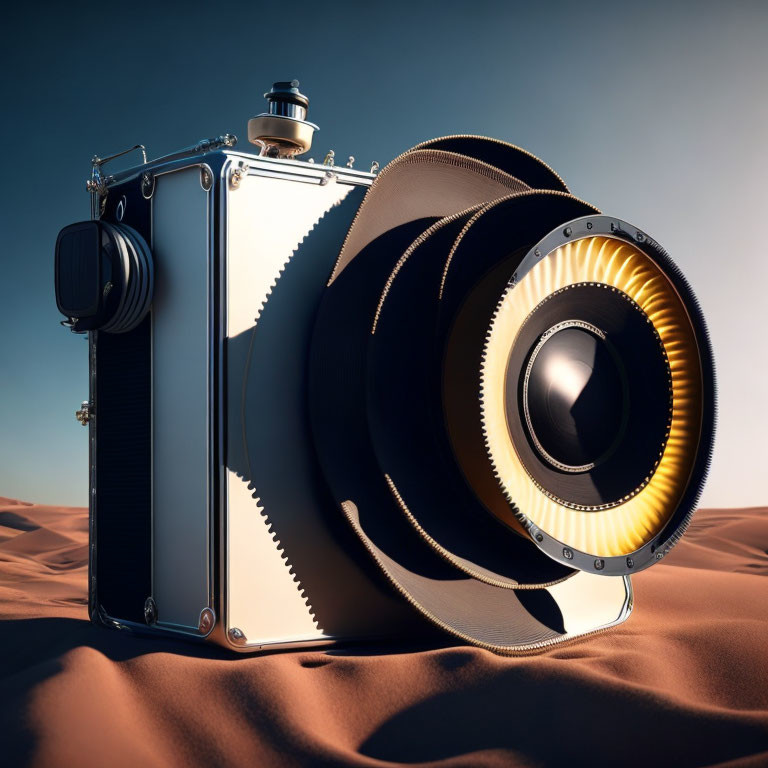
{"points": [[329, 404]]}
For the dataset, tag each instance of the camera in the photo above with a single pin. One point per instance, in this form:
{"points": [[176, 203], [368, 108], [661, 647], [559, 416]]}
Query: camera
{"points": [[445, 399]]}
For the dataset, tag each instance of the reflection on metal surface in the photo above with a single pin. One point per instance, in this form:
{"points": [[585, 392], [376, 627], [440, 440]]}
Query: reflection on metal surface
{"points": [[566, 380], [264, 596], [588, 602], [181, 393]]}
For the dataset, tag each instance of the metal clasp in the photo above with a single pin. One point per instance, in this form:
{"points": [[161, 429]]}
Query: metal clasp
{"points": [[238, 174], [83, 415], [97, 184]]}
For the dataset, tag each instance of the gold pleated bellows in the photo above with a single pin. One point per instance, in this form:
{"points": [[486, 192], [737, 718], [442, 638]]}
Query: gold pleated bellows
{"points": [[622, 526]]}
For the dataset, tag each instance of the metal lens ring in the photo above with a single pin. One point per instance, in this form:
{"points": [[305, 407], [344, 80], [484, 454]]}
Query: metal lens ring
{"points": [[670, 376]]}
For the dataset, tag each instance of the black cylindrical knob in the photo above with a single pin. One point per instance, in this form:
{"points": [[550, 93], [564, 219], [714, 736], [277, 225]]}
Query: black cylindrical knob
{"points": [[286, 100]]}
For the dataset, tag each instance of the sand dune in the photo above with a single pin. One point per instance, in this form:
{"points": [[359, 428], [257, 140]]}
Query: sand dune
{"points": [[683, 682]]}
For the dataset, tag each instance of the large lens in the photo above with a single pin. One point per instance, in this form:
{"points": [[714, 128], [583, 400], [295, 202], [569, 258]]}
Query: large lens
{"points": [[598, 396], [466, 423]]}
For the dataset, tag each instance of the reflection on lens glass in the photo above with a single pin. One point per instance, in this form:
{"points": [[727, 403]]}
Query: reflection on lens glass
{"points": [[575, 397]]}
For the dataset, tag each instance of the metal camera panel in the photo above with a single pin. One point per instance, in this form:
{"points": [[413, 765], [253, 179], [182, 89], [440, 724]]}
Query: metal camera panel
{"points": [[289, 574], [182, 340], [152, 422]]}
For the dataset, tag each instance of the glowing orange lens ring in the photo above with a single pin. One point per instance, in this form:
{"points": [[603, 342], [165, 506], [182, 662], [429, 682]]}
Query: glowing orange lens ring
{"points": [[626, 527]]}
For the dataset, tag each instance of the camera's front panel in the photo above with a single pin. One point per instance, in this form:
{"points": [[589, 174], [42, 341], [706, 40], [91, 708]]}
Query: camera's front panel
{"points": [[292, 573]]}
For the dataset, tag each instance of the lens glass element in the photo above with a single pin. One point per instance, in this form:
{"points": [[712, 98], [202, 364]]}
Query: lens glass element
{"points": [[575, 396]]}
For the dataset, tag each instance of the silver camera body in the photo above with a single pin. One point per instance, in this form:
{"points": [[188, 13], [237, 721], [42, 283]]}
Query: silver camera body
{"points": [[208, 514]]}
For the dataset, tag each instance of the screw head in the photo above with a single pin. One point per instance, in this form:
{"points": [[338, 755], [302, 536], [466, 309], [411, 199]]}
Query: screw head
{"points": [[567, 231], [147, 185], [640, 237], [599, 564], [237, 175], [150, 611], [589, 225], [539, 537], [630, 563], [207, 620], [567, 554]]}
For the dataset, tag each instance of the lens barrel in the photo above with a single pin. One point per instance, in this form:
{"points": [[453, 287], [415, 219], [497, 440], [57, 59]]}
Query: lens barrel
{"points": [[522, 356]]}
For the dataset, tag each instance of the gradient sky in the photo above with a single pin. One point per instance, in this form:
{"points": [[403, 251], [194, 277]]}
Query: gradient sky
{"points": [[655, 112]]}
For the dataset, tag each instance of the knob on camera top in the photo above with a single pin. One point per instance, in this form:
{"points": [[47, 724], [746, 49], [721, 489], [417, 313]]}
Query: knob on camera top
{"points": [[283, 131]]}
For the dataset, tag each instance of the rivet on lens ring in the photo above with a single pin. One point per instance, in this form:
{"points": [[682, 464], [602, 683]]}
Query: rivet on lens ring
{"points": [[599, 564]]}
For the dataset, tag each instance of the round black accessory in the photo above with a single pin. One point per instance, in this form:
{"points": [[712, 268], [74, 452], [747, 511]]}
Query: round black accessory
{"points": [[104, 276]]}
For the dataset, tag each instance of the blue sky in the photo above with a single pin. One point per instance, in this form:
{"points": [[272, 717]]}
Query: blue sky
{"points": [[655, 112]]}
